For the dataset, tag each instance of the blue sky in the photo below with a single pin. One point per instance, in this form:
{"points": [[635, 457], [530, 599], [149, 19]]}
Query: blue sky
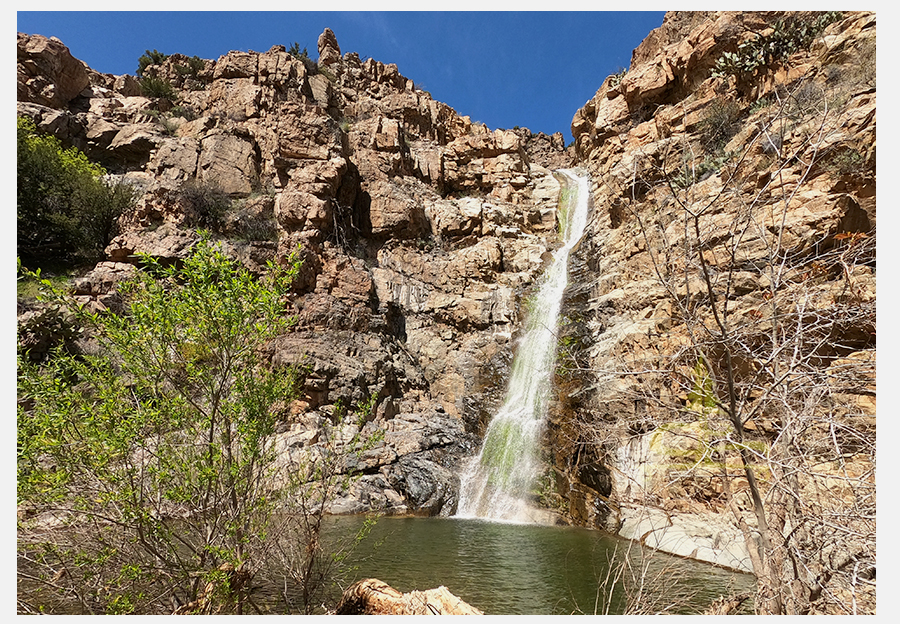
{"points": [[502, 68]]}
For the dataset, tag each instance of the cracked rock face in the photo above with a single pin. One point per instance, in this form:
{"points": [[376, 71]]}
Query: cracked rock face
{"points": [[790, 149], [419, 231]]}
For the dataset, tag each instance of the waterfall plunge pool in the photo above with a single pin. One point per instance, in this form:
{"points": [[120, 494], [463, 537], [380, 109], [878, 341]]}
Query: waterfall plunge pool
{"points": [[505, 568]]}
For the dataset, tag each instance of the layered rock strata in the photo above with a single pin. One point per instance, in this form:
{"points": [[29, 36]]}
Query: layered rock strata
{"points": [[419, 230], [778, 164]]}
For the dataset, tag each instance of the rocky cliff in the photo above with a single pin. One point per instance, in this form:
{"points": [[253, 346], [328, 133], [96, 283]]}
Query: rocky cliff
{"points": [[419, 230], [725, 304], [727, 276]]}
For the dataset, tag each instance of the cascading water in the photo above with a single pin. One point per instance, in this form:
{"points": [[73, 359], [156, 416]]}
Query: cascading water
{"points": [[498, 480]]}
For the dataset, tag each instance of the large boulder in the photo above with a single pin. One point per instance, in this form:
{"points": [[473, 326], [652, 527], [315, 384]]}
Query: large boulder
{"points": [[47, 73], [374, 597]]}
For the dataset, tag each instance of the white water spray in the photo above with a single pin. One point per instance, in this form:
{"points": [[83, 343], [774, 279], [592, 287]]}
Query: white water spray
{"points": [[497, 482]]}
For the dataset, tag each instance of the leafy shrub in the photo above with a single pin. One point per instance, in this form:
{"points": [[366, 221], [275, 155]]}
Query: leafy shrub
{"points": [[204, 203], [163, 439], [846, 162], [185, 429], [157, 88], [760, 104], [150, 58], [65, 206]]}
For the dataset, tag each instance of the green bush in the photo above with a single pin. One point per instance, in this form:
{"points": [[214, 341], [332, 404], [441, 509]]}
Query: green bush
{"points": [[193, 67], [159, 450], [64, 205], [150, 58], [846, 162], [157, 88]]}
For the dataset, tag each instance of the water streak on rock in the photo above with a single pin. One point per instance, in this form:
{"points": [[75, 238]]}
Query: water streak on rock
{"points": [[497, 481]]}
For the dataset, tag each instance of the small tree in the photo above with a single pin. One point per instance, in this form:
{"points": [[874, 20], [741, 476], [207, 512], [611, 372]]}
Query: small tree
{"points": [[155, 456], [804, 499], [150, 58]]}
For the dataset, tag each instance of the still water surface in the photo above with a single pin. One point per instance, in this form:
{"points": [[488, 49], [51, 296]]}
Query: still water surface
{"points": [[530, 569]]}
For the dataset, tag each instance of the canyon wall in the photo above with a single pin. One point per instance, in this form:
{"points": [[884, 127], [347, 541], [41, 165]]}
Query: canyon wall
{"points": [[419, 231], [724, 186], [732, 247]]}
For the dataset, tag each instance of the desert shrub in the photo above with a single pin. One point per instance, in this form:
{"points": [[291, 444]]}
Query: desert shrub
{"points": [[807, 99], [66, 206], [193, 67], [787, 36], [204, 203], [719, 124], [150, 58], [183, 111], [699, 170], [846, 162], [157, 88]]}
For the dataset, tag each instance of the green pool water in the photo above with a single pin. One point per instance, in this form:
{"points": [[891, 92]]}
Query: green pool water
{"points": [[529, 569]]}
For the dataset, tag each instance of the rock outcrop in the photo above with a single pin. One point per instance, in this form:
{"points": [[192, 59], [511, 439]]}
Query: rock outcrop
{"points": [[374, 597], [419, 231], [777, 163]]}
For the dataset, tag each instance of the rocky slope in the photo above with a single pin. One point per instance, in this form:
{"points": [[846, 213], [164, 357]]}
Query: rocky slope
{"points": [[720, 183], [762, 181], [419, 230]]}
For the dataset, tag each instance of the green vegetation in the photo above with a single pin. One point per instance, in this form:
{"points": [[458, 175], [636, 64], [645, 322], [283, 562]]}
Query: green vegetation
{"points": [[193, 67], [846, 162], [158, 88], [761, 104], [156, 455], [150, 58], [691, 173], [65, 206], [311, 66], [787, 36], [328, 74]]}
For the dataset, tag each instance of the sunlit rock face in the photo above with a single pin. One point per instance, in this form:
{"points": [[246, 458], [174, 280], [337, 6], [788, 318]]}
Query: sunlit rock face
{"points": [[420, 232], [778, 164]]}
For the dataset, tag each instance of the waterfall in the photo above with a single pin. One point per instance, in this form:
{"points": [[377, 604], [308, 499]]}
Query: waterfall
{"points": [[497, 482]]}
